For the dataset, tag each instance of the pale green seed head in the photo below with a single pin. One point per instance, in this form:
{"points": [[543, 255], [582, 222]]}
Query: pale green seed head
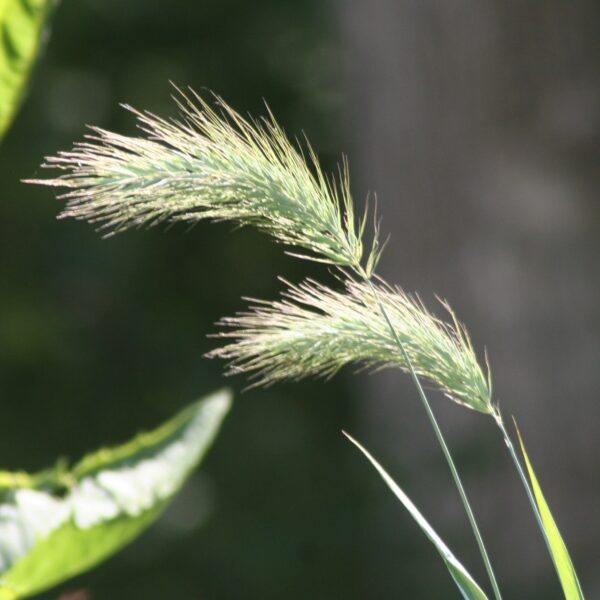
{"points": [[315, 330], [212, 164]]}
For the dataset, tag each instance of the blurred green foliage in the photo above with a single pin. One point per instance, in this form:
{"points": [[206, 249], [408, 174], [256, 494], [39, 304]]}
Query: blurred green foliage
{"points": [[24, 27]]}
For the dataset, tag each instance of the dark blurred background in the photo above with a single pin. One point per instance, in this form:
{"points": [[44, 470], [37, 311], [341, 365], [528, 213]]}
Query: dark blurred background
{"points": [[478, 125]]}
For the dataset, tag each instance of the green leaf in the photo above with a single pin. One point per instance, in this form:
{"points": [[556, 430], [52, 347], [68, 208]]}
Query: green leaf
{"points": [[58, 523], [22, 27], [558, 549], [466, 584]]}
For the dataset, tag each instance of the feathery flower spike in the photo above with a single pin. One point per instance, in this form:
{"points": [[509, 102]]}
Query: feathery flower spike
{"points": [[315, 330], [211, 165]]}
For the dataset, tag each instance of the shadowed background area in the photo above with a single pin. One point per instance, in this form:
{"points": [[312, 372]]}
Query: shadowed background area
{"points": [[478, 125]]}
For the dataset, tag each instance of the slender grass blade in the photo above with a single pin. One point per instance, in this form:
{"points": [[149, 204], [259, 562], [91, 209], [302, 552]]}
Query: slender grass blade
{"points": [[560, 554], [465, 583]]}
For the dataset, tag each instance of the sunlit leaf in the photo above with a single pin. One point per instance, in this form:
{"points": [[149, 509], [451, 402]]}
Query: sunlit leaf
{"points": [[560, 554], [466, 584], [58, 523], [22, 27]]}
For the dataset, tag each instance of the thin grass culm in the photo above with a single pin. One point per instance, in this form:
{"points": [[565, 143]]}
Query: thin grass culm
{"points": [[214, 164]]}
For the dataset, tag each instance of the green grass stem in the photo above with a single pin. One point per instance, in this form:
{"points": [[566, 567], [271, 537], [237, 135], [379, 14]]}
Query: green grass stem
{"points": [[448, 456], [524, 480]]}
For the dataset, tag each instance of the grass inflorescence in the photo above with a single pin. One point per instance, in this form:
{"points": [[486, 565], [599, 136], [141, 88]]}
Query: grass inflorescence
{"points": [[316, 330], [211, 163]]}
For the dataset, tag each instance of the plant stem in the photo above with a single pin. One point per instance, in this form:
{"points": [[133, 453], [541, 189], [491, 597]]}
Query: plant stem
{"points": [[442, 442], [524, 480]]}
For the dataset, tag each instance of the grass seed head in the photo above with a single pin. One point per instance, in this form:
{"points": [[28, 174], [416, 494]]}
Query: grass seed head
{"points": [[315, 330], [211, 163]]}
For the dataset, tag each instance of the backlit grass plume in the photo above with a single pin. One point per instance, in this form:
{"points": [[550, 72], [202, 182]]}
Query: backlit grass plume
{"points": [[210, 164], [315, 330], [214, 164]]}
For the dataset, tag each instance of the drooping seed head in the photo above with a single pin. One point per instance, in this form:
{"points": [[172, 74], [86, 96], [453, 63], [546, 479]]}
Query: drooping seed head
{"points": [[315, 330], [212, 164]]}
